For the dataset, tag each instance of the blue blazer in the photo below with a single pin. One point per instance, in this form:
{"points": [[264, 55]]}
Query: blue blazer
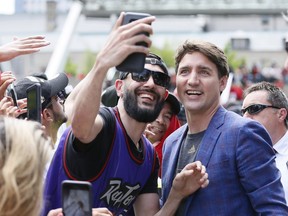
{"points": [[240, 162]]}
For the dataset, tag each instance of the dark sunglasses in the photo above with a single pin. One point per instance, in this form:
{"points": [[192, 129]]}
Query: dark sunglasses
{"points": [[159, 78], [59, 98], [256, 108]]}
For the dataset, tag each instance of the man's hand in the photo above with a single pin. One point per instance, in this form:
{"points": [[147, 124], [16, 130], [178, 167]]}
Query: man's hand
{"points": [[190, 179], [123, 39]]}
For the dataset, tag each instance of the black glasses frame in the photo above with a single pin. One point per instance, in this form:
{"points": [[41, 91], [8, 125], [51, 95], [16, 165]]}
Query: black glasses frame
{"points": [[59, 97], [159, 78], [256, 108]]}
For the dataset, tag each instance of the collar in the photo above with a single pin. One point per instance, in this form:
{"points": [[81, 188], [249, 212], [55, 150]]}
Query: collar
{"points": [[282, 145]]}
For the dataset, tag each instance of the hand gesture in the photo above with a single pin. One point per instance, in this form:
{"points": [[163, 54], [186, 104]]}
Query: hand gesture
{"points": [[22, 46], [190, 179]]}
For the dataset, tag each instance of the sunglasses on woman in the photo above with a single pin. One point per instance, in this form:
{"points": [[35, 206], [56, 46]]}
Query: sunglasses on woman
{"points": [[159, 78], [256, 108]]}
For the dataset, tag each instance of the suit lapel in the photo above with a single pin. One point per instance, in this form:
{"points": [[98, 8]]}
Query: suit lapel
{"points": [[211, 136], [177, 145], [208, 144]]}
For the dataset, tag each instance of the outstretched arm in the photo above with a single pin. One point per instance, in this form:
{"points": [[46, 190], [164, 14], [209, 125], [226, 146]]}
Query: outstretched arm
{"points": [[82, 105], [22, 46]]}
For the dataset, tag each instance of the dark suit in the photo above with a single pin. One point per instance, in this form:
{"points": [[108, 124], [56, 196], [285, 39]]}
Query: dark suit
{"points": [[240, 162]]}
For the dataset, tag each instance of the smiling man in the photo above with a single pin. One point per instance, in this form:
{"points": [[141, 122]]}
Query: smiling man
{"points": [[236, 151], [106, 146]]}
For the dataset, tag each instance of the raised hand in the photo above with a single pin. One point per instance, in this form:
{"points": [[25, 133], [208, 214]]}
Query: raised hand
{"points": [[6, 78], [122, 41], [22, 46]]}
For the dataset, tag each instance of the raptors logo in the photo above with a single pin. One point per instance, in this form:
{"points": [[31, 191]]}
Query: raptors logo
{"points": [[120, 195]]}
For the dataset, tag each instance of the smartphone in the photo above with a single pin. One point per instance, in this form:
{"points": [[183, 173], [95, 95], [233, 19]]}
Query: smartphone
{"points": [[34, 106], [76, 198], [134, 62], [13, 94]]}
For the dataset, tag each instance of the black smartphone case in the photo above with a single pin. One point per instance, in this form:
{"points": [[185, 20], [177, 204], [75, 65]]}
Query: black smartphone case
{"points": [[134, 62], [34, 106]]}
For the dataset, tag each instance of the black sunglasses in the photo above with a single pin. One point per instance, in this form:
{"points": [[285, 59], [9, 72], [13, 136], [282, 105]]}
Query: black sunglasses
{"points": [[256, 108], [59, 97], [159, 78]]}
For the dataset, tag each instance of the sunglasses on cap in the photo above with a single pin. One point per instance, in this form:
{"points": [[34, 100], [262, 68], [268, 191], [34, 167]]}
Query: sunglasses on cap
{"points": [[256, 108], [159, 78]]}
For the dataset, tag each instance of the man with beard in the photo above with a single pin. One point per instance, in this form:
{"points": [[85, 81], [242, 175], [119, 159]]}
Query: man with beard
{"points": [[106, 146], [53, 114]]}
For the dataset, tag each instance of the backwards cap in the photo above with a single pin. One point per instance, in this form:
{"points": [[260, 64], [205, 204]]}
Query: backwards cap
{"points": [[152, 59]]}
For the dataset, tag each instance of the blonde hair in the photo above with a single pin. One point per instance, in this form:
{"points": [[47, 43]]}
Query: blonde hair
{"points": [[24, 152]]}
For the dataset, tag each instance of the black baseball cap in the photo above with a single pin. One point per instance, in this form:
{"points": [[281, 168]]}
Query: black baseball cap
{"points": [[109, 98], [49, 87], [174, 102]]}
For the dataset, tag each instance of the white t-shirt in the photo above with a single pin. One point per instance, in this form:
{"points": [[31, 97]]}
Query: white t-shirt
{"points": [[282, 161]]}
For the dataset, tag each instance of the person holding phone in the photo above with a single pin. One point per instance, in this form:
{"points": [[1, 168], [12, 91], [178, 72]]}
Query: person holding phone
{"points": [[9, 51], [106, 146], [24, 152], [9, 104], [52, 113]]}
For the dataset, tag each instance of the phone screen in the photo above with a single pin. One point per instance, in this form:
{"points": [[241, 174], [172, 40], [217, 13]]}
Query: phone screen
{"points": [[34, 102], [76, 198]]}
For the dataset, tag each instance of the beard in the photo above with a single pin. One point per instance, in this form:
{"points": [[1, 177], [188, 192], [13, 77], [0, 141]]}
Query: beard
{"points": [[59, 118], [141, 114]]}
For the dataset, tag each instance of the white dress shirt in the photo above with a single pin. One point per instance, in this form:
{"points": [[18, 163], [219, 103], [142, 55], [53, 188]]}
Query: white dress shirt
{"points": [[282, 161]]}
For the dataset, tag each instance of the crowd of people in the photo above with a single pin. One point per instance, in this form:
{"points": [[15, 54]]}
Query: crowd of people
{"points": [[124, 139]]}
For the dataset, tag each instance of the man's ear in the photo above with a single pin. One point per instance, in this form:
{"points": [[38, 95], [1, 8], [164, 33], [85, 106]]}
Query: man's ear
{"points": [[166, 94], [118, 87], [282, 114], [47, 115], [223, 82]]}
